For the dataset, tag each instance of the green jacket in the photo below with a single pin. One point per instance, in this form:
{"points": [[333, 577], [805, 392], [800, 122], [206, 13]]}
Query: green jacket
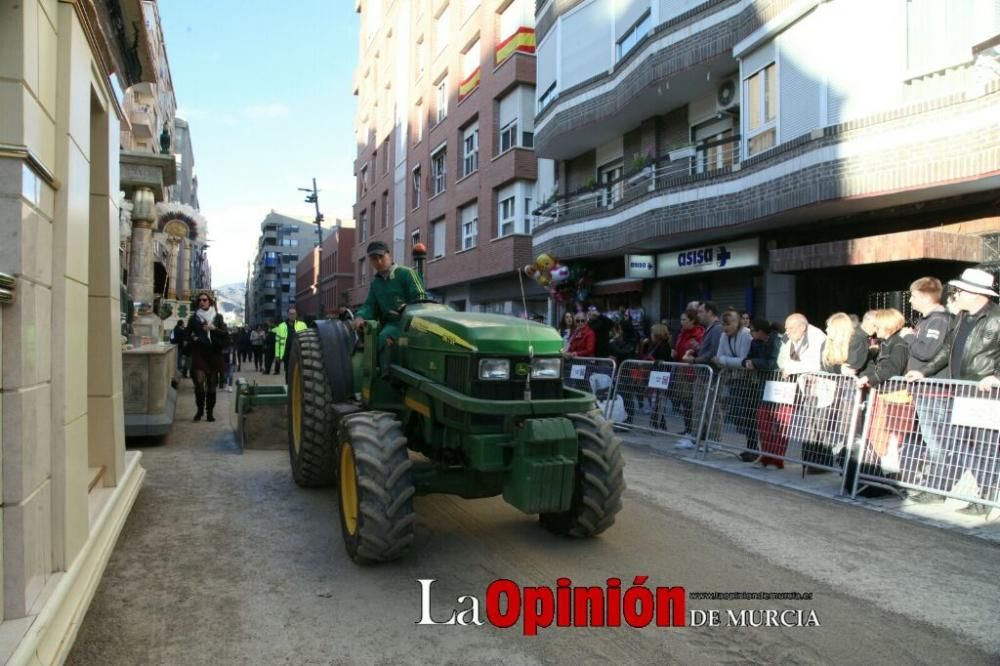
{"points": [[281, 336], [387, 295]]}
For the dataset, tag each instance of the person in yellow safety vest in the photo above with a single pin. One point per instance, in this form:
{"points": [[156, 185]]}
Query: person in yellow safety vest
{"points": [[282, 338]]}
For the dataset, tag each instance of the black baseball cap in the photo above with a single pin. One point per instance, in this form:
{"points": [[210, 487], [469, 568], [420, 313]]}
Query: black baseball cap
{"points": [[377, 248]]}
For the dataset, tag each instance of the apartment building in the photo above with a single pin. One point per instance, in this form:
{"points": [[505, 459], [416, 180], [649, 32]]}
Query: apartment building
{"points": [[768, 154], [445, 133], [334, 265], [271, 285]]}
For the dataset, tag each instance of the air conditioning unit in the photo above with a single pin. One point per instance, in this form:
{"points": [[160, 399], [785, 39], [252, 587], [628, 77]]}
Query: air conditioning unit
{"points": [[728, 95]]}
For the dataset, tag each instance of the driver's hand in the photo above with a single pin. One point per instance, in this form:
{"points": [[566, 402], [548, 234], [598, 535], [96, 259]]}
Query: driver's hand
{"points": [[359, 324]]}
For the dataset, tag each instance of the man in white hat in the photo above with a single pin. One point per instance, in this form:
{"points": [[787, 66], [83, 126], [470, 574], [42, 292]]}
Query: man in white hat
{"points": [[974, 356]]}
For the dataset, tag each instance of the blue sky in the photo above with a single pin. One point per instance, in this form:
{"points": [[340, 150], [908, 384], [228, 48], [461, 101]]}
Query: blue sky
{"points": [[266, 88]]}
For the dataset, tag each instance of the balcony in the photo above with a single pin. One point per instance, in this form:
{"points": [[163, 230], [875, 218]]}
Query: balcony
{"points": [[681, 166], [142, 117], [906, 156]]}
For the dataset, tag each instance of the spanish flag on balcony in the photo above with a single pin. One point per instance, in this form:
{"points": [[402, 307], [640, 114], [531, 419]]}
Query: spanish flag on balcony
{"points": [[522, 41], [468, 85]]}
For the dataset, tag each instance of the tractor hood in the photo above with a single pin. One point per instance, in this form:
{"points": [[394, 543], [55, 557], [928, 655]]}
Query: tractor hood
{"points": [[480, 333]]}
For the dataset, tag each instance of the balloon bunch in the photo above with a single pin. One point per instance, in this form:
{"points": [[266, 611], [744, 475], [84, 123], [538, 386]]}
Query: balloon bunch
{"points": [[566, 284]]}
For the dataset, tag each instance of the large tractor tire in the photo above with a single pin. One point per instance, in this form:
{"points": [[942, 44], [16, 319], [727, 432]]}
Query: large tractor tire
{"points": [[312, 421], [600, 480], [376, 488]]}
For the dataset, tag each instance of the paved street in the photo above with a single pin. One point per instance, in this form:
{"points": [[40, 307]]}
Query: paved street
{"points": [[225, 561]]}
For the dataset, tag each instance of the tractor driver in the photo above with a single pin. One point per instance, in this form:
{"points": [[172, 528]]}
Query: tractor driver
{"points": [[393, 286]]}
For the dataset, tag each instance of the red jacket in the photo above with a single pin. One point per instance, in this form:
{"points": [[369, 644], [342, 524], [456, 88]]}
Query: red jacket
{"points": [[687, 340], [583, 342]]}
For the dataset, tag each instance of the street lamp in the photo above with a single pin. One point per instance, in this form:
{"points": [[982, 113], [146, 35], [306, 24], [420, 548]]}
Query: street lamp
{"points": [[312, 197]]}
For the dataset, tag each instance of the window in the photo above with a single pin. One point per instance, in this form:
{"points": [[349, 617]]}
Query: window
{"points": [[470, 70], [438, 234], [415, 183], [270, 284], [470, 154], [414, 238], [508, 136], [418, 122], [442, 97], [293, 229], [363, 181], [361, 272], [441, 26], [385, 209], [469, 6], [385, 156], [418, 57], [290, 242], [547, 97], [470, 226], [634, 35], [363, 224], [371, 220], [439, 171], [507, 216], [762, 109], [528, 215]]}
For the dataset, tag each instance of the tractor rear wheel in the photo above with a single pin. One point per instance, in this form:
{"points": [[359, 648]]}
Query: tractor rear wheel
{"points": [[312, 422], [376, 488], [600, 480]]}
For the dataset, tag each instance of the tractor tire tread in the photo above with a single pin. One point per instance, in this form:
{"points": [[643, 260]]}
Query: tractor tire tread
{"points": [[315, 465]]}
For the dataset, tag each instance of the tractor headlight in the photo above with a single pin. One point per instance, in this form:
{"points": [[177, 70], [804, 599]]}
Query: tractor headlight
{"points": [[494, 369], [546, 368]]}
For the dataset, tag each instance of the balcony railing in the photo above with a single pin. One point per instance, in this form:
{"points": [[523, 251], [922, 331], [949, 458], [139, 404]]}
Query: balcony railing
{"points": [[658, 175]]}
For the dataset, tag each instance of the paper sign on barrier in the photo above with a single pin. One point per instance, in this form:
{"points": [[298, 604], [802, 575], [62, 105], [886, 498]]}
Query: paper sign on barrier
{"points": [[975, 413], [659, 380], [782, 393], [578, 372]]}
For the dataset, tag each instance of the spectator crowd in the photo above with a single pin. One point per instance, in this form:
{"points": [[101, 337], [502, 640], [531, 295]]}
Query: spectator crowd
{"points": [[956, 337]]}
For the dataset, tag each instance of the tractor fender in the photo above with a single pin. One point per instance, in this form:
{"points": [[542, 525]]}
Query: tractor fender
{"points": [[337, 343]]}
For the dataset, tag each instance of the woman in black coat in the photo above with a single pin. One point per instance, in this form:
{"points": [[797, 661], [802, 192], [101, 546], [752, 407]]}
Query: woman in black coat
{"points": [[894, 350], [207, 337]]}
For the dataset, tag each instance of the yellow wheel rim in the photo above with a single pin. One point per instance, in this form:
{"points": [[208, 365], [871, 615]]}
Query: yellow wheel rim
{"points": [[348, 489], [296, 400]]}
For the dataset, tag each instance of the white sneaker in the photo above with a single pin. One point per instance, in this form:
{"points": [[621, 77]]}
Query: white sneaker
{"points": [[229, 389], [684, 444]]}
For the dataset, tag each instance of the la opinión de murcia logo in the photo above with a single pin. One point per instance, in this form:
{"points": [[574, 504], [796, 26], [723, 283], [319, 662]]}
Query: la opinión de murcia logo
{"points": [[639, 605]]}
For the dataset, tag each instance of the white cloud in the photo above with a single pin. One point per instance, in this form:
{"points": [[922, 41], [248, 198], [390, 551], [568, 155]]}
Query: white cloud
{"points": [[270, 111]]}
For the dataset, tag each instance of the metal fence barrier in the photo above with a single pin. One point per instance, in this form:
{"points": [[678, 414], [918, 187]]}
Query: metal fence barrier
{"points": [[809, 419], [936, 436], [661, 397], [595, 375]]}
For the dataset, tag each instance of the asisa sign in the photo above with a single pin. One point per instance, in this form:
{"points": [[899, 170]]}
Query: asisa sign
{"points": [[713, 257]]}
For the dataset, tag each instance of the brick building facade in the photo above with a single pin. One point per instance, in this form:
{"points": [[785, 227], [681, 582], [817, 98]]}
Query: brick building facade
{"points": [[445, 131], [335, 271]]}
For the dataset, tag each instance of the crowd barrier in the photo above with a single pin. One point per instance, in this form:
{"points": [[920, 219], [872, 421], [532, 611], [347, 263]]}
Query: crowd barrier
{"points": [[662, 397], [808, 418], [935, 436], [595, 375]]}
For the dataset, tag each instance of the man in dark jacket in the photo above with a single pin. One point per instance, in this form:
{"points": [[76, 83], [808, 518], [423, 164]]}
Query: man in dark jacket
{"points": [[974, 355], [601, 326], [929, 344]]}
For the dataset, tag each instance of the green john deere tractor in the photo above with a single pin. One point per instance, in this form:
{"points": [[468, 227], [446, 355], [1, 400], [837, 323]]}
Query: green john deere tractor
{"points": [[479, 401]]}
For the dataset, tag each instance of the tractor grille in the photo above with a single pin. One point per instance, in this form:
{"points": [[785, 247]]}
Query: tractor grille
{"points": [[458, 375]]}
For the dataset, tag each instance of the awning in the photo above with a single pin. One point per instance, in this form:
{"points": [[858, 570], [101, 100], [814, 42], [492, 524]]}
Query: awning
{"points": [[903, 246], [616, 286]]}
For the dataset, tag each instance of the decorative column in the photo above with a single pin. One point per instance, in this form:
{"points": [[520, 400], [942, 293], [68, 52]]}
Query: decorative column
{"points": [[175, 243], [185, 284], [144, 177]]}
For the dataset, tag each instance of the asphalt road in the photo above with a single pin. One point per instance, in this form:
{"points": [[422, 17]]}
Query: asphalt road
{"points": [[225, 561]]}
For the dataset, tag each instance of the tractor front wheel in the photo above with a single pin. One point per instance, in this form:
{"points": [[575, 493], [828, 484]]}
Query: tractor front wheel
{"points": [[312, 422], [376, 488], [600, 480]]}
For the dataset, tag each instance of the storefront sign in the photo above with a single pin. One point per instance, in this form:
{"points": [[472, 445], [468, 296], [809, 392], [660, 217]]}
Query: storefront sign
{"points": [[711, 257], [640, 266]]}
